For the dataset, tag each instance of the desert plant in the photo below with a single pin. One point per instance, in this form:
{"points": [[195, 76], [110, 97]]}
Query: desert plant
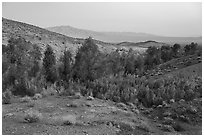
{"points": [[37, 96], [32, 116], [31, 104], [69, 120], [6, 97], [25, 99]]}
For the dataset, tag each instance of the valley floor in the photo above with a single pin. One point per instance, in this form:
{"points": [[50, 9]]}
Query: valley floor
{"points": [[71, 116]]}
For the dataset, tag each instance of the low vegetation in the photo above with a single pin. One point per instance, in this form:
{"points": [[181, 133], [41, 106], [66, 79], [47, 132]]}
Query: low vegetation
{"points": [[32, 116], [116, 76]]}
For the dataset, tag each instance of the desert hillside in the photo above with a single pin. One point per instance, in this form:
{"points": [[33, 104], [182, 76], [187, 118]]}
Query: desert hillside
{"points": [[42, 37], [59, 42]]}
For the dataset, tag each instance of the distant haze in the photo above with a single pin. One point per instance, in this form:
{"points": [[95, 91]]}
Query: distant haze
{"points": [[164, 19]]}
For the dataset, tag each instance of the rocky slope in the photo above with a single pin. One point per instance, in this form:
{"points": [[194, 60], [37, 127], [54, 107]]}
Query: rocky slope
{"points": [[59, 42], [42, 37], [58, 115]]}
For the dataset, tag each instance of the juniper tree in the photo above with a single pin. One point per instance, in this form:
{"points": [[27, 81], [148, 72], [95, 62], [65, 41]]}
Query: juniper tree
{"points": [[65, 68], [85, 59], [49, 62]]}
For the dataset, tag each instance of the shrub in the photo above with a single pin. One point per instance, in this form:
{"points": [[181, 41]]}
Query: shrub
{"points": [[37, 96], [31, 104], [69, 120], [6, 97], [51, 90], [32, 116], [128, 88], [25, 99]]}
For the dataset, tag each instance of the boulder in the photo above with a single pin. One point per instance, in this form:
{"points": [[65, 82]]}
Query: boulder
{"points": [[184, 118], [131, 105], [192, 110], [168, 128], [167, 113], [168, 121], [74, 105], [159, 106], [88, 104], [146, 112], [69, 120], [77, 95], [25, 99], [37, 96], [164, 103], [90, 98], [121, 105], [181, 101], [136, 111], [172, 101]]}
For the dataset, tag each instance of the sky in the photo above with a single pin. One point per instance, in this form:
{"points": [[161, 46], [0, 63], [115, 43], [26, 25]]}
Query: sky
{"points": [[166, 19]]}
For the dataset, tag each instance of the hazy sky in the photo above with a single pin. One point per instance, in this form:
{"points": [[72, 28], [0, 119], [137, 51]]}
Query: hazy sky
{"points": [[169, 19]]}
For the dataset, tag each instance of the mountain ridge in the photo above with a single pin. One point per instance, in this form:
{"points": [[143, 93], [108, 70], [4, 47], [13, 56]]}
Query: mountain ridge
{"points": [[117, 37]]}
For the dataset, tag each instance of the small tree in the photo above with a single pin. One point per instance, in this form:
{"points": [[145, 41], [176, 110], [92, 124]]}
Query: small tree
{"points": [[130, 63], [153, 57], [36, 57], [49, 62], [85, 60], [166, 53], [65, 69], [190, 49], [175, 49]]}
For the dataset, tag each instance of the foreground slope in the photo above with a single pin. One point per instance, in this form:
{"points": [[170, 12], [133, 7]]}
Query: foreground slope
{"points": [[71, 116]]}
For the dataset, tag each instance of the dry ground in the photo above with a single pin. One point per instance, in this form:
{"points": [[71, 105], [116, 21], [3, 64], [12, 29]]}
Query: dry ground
{"points": [[93, 117]]}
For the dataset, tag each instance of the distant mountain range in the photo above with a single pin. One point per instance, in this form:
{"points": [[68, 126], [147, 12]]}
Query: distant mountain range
{"points": [[117, 37]]}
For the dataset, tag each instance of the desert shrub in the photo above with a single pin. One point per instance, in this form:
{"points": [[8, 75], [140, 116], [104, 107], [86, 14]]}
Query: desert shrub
{"points": [[69, 120], [62, 91], [37, 96], [23, 88], [49, 90], [32, 116], [128, 88], [116, 88], [6, 97], [25, 99], [31, 104]]}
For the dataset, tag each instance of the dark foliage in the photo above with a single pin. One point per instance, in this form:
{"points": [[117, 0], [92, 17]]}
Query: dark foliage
{"points": [[49, 62]]}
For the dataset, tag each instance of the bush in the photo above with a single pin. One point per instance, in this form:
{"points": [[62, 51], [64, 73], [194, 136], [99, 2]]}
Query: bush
{"points": [[50, 91], [25, 99], [69, 120], [31, 104], [6, 97], [37, 96], [32, 116], [128, 88], [25, 87]]}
